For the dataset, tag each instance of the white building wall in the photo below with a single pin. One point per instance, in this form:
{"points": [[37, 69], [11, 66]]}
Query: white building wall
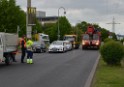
{"points": [[40, 14]]}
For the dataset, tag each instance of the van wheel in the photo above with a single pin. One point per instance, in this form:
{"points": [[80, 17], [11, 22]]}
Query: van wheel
{"points": [[8, 60]]}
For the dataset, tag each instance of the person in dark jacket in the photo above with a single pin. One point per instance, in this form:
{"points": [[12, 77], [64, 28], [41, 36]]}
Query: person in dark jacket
{"points": [[23, 48]]}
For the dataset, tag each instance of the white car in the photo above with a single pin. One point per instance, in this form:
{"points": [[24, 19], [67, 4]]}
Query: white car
{"points": [[57, 46], [68, 45]]}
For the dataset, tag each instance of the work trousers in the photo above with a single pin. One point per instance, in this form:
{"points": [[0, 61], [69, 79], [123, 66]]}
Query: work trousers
{"points": [[23, 55], [29, 54], [29, 57]]}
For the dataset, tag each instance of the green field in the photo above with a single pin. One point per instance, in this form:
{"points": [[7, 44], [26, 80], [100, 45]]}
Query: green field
{"points": [[108, 76]]}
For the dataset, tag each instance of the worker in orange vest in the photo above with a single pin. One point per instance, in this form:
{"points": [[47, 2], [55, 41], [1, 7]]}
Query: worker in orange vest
{"points": [[23, 48]]}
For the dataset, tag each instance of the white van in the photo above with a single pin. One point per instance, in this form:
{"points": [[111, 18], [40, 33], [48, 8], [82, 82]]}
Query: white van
{"points": [[8, 47]]}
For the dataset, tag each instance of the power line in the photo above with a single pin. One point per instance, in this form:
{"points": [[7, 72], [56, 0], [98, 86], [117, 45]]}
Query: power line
{"points": [[113, 24]]}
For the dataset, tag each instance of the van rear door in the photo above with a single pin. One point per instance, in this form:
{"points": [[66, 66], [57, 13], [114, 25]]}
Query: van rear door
{"points": [[1, 48]]}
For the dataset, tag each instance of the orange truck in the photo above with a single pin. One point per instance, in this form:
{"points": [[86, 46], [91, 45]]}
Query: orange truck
{"points": [[91, 38]]}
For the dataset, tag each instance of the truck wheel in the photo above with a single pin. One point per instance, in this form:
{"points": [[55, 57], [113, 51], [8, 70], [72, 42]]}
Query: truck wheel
{"points": [[8, 60], [77, 46], [40, 50]]}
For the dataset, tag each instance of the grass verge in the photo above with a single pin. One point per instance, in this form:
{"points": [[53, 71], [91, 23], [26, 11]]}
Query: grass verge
{"points": [[108, 76]]}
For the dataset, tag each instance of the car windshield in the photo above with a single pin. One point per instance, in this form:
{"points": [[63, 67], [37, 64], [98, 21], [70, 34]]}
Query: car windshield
{"points": [[85, 37], [69, 38], [95, 37], [57, 43], [36, 44], [45, 37]]}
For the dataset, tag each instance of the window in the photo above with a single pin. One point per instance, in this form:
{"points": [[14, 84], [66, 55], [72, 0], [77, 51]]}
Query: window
{"points": [[95, 37], [85, 37], [69, 38]]}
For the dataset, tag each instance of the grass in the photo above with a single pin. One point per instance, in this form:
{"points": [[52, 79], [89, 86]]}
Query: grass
{"points": [[108, 76]]}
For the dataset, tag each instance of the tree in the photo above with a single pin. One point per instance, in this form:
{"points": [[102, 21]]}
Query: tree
{"points": [[11, 16], [52, 28], [37, 28], [78, 32], [64, 26], [83, 26], [114, 36]]}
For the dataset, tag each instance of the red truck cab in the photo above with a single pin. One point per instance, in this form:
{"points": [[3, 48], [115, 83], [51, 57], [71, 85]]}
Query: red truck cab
{"points": [[91, 39]]}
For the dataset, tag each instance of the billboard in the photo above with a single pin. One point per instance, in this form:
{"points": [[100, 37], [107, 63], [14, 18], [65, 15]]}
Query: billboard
{"points": [[31, 13]]}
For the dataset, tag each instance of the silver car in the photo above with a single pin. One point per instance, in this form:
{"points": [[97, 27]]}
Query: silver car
{"points": [[57, 46], [39, 47], [68, 45]]}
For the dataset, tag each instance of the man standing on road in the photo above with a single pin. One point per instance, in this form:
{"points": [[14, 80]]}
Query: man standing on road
{"points": [[23, 48], [29, 45]]}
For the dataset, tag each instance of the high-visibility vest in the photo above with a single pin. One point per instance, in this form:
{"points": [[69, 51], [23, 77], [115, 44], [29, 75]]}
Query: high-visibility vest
{"points": [[21, 42], [29, 45]]}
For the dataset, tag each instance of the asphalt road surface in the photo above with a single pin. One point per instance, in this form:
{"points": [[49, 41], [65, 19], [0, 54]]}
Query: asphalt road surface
{"points": [[70, 69]]}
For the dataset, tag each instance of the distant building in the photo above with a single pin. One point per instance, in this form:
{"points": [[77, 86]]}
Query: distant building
{"points": [[40, 14], [120, 37], [50, 19]]}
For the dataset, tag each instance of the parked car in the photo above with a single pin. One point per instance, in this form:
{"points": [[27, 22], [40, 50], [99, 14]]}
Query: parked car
{"points": [[57, 46], [68, 45], [39, 47]]}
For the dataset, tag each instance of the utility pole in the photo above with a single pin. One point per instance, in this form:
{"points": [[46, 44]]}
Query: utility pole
{"points": [[29, 3], [29, 28], [113, 25], [30, 18], [58, 21]]}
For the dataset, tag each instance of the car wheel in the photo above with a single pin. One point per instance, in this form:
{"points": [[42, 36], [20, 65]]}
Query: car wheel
{"points": [[63, 50], [40, 50]]}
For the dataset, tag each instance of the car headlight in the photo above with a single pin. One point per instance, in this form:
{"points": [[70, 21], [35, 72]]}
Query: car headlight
{"points": [[97, 43], [83, 43]]}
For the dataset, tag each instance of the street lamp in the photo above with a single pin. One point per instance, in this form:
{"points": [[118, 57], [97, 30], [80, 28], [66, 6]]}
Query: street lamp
{"points": [[58, 21]]}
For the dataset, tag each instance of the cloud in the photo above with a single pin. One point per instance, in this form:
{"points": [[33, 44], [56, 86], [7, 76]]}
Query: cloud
{"points": [[93, 11]]}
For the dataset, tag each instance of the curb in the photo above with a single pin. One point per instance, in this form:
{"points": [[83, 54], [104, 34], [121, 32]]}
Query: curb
{"points": [[90, 77]]}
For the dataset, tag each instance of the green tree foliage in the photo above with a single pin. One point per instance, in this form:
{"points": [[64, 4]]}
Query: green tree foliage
{"points": [[37, 28], [104, 34], [107, 40], [78, 32], [64, 26], [11, 16], [114, 36], [83, 26], [52, 28]]}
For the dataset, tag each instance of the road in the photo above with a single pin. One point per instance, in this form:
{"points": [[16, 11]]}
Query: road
{"points": [[70, 69]]}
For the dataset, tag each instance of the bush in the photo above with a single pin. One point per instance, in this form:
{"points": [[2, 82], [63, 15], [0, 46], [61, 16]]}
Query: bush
{"points": [[108, 39], [112, 52]]}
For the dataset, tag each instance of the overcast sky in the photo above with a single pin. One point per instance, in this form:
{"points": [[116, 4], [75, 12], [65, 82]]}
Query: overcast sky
{"points": [[92, 11]]}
